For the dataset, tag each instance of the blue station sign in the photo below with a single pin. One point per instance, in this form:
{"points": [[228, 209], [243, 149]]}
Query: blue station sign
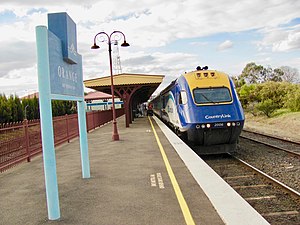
{"points": [[59, 77], [65, 63]]}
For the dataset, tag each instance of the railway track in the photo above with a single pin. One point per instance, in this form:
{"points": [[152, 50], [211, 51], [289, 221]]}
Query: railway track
{"points": [[276, 202], [288, 146]]}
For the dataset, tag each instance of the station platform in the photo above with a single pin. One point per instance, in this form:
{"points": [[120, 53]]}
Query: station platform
{"points": [[144, 178]]}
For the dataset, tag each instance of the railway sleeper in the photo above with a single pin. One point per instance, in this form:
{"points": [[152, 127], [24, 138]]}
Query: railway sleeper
{"points": [[294, 212]]}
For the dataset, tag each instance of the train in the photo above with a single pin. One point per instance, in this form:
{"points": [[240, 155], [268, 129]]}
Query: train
{"points": [[203, 108]]}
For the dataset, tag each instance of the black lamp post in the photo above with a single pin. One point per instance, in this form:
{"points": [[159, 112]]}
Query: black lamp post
{"points": [[115, 136]]}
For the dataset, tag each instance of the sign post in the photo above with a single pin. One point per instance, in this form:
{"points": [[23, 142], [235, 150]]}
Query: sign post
{"points": [[60, 78]]}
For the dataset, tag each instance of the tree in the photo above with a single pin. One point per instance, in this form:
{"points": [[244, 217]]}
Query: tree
{"points": [[290, 74], [35, 108], [15, 109], [32, 108], [253, 74], [61, 108], [275, 75], [5, 111], [238, 83], [25, 105], [20, 113]]}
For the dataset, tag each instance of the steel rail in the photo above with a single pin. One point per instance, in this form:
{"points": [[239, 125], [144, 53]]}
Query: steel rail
{"points": [[274, 137], [271, 145], [273, 180]]}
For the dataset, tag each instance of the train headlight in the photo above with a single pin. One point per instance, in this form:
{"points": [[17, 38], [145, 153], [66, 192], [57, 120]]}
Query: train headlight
{"points": [[228, 124], [238, 123], [233, 124], [203, 126], [208, 125]]}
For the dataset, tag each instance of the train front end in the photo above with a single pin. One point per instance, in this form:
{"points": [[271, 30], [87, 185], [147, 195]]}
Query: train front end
{"points": [[213, 112]]}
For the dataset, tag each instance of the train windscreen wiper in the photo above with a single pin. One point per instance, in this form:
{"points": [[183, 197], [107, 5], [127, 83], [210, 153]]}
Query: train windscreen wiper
{"points": [[209, 100]]}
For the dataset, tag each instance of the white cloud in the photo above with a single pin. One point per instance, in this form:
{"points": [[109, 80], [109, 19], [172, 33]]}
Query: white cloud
{"points": [[225, 45], [19, 81], [16, 55], [161, 63], [291, 42], [281, 39], [148, 25], [169, 64]]}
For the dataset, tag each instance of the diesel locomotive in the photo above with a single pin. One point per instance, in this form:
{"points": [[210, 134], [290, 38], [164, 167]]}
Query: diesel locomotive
{"points": [[203, 108]]}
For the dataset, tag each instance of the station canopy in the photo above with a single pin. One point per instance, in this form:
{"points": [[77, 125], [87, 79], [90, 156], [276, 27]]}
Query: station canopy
{"points": [[133, 89], [145, 84]]}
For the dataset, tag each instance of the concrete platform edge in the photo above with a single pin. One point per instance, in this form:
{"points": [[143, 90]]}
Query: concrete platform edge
{"points": [[232, 208]]}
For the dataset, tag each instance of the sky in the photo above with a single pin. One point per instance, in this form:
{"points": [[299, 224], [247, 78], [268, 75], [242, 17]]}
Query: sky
{"points": [[166, 37]]}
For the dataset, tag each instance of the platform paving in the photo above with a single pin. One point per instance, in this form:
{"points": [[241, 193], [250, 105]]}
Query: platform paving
{"points": [[129, 183]]}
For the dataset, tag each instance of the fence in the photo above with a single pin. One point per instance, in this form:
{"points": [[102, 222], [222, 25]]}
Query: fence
{"points": [[21, 141]]}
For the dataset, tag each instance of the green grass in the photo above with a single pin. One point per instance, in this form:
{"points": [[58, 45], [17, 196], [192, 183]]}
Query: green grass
{"points": [[281, 112]]}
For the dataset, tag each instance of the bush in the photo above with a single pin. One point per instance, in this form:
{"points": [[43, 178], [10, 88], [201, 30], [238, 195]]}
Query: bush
{"points": [[283, 95], [251, 108], [276, 91], [267, 107], [247, 94], [293, 100]]}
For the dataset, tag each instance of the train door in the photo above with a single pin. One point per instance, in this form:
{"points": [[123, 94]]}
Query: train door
{"points": [[181, 101], [164, 114]]}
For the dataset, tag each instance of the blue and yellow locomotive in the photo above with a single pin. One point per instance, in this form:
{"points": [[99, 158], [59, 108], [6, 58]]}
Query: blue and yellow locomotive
{"points": [[203, 107]]}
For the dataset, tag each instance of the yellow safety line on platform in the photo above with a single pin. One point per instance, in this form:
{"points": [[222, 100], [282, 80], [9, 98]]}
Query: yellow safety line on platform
{"points": [[184, 207]]}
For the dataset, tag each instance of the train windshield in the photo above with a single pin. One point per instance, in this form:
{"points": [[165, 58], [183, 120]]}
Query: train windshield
{"points": [[212, 95]]}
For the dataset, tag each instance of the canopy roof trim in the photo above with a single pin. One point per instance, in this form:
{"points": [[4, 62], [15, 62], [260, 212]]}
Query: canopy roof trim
{"points": [[124, 79]]}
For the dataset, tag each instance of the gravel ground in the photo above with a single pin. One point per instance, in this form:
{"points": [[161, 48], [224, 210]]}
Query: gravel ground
{"points": [[275, 163], [274, 200]]}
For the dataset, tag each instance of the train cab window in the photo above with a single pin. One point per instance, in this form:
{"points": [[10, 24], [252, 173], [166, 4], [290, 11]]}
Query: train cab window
{"points": [[212, 95], [182, 98]]}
